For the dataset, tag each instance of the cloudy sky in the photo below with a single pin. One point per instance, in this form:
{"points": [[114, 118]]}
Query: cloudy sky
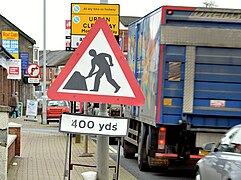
{"points": [[27, 15]]}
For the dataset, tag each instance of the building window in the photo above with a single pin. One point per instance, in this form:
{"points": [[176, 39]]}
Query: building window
{"points": [[56, 72]]}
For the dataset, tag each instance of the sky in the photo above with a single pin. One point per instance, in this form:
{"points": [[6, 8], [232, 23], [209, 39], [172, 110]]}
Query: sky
{"points": [[27, 15]]}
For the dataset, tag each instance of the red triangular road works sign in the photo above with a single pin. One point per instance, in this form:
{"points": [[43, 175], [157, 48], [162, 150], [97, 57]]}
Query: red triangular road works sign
{"points": [[97, 72]]}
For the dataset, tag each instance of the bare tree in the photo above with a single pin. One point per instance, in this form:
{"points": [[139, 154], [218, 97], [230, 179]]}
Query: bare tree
{"points": [[210, 4]]}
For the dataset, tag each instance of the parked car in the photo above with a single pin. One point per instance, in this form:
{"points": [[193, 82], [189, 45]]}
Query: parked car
{"points": [[55, 108], [224, 160]]}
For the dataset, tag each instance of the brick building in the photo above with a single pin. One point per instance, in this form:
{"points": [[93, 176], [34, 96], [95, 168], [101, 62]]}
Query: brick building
{"points": [[9, 86]]}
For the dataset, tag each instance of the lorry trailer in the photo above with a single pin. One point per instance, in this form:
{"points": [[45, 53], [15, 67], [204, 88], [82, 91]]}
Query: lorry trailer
{"points": [[187, 61]]}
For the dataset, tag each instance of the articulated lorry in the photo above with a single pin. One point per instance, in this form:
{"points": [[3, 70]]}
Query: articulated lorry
{"points": [[188, 64]]}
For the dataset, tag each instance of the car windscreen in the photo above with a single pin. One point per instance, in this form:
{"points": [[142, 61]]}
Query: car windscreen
{"points": [[236, 139], [57, 103], [231, 142]]}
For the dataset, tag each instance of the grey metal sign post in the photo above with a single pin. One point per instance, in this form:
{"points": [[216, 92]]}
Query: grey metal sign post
{"points": [[102, 149], [102, 126], [103, 142]]}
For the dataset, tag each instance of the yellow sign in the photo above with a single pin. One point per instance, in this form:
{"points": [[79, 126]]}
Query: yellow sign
{"points": [[83, 16], [10, 42], [15, 56], [83, 23], [100, 9], [10, 35]]}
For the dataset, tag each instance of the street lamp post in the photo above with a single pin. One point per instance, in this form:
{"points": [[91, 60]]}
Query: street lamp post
{"points": [[44, 65]]}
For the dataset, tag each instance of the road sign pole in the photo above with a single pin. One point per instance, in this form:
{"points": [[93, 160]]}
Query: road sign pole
{"points": [[86, 136], [103, 1], [103, 142], [44, 121], [118, 160], [66, 157], [73, 109], [102, 149], [86, 153]]}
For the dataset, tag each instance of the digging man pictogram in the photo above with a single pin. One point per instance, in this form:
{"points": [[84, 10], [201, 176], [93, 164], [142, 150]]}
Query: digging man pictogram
{"points": [[104, 68]]}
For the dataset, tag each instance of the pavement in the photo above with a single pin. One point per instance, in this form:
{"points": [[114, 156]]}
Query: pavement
{"points": [[43, 151]]}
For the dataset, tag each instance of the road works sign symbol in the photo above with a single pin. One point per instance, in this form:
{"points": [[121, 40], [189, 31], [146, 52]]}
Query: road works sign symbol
{"points": [[99, 60], [97, 72]]}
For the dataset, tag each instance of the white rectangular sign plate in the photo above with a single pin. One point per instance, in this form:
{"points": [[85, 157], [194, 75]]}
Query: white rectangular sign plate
{"points": [[82, 124], [33, 80]]}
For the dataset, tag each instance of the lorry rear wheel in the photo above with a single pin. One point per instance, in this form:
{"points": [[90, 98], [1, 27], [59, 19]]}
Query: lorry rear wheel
{"points": [[142, 156], [128, 150], [143, 166]]}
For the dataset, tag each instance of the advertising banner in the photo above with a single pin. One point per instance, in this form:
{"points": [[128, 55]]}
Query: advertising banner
{"points": [[24, 56], [32, 108], [10, 42], [14, 68]]}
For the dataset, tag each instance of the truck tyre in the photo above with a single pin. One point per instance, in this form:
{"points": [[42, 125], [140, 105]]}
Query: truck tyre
{"points": [[142, 156], [128, 150]]}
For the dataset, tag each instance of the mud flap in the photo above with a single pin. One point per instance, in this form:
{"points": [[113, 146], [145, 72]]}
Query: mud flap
{"points": [[184, 142]]}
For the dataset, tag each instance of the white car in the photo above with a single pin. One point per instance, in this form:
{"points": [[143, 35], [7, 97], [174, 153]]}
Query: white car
{"points": [[224, 160]]}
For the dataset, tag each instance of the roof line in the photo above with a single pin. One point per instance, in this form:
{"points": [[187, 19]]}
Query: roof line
{"points": [[19, 30], [6, 52]]}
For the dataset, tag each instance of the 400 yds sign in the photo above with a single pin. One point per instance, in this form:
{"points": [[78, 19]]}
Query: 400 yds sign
{"points": [[82, 124]]}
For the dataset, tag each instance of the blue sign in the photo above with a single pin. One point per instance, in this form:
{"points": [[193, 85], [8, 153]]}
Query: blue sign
{"points": [[11, 46], [24, 56]]}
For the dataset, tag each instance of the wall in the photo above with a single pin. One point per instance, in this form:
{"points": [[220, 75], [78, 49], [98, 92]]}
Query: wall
{"points": [[15, 129], [8, 87], [4, 110]]}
